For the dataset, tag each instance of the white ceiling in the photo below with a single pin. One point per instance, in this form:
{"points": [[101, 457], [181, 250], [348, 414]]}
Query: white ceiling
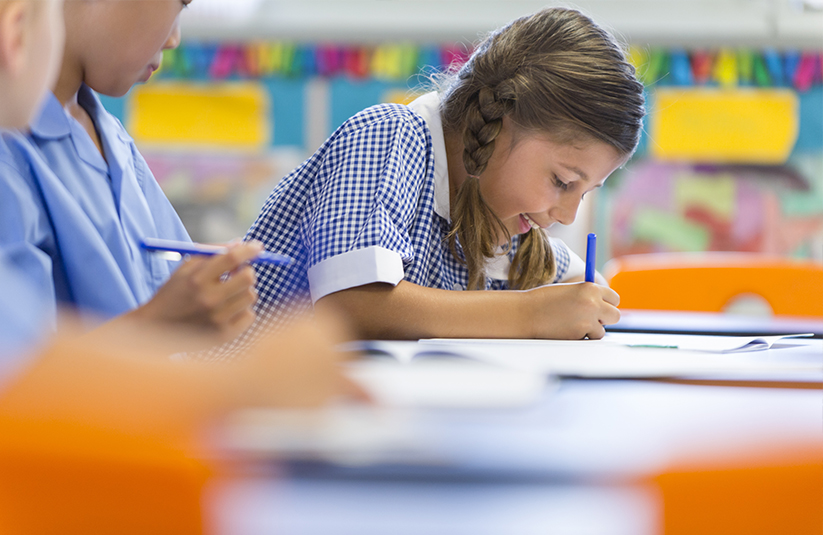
{"points": [[686, 22]]}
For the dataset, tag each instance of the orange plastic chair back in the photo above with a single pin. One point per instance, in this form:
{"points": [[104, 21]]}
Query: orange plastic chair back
{"points": [[756, 493], [709, 282], [59, 477]]}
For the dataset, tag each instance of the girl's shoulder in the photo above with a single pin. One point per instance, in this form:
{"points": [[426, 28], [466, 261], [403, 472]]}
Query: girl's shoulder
{"points": [[385, 116]]}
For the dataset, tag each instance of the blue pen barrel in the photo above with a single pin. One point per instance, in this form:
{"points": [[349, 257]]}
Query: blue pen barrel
{"points": [[191, 248], [591, 254]]}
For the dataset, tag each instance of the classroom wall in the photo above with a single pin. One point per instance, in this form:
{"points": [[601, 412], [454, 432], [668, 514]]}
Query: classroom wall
{"points": [[732, 160]]}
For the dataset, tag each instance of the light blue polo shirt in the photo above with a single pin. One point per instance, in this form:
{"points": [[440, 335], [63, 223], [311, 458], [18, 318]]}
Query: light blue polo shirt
{"points": [[24, 319], [73, 220]]}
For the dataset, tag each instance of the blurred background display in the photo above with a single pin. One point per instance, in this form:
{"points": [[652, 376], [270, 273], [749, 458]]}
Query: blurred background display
{"points": [[731, 158]]}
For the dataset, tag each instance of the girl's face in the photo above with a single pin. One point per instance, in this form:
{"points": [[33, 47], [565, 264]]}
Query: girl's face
{"points": [[537, 182], [120, 42]]}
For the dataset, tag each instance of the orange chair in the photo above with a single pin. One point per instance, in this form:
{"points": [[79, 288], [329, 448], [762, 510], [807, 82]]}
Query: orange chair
{"points": [[750, 493], [709, 282], [67, 478]]}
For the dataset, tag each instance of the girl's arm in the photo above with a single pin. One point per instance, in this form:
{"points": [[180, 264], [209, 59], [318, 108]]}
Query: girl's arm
{"points": [[408, 311]]}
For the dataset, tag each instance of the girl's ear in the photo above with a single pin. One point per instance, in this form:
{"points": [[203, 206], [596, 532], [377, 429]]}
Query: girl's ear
{"points": [[13, 36]]}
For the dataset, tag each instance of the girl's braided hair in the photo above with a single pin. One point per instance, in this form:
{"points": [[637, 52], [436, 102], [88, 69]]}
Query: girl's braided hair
{"points": [[553, 73]]}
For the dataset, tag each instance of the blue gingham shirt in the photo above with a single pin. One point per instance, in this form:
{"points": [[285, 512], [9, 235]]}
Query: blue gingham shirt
{"points": [[371, 205]]}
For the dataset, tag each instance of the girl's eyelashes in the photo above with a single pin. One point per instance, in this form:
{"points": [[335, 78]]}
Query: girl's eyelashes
{"points": [[559, 183]]}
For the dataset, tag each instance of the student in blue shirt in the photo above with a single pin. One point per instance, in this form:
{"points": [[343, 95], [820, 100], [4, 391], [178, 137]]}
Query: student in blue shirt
{"points": [[105, 421], [76, 197], [21, 319], [403, 205], [118, 377], [31, 38]]}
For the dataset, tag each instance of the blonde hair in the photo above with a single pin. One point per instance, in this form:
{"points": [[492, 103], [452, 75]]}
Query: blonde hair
{"points": [[554, 73]]}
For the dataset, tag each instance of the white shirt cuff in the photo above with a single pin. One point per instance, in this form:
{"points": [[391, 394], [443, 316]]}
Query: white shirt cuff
{"points": [[355, 268]]}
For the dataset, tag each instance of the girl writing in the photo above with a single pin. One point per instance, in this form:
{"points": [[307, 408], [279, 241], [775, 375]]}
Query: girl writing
{"points": [[405, 206]]}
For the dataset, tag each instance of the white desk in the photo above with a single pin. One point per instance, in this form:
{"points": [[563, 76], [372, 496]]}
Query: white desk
{"points": [[568, 463], [368, 507], [654, 321]]}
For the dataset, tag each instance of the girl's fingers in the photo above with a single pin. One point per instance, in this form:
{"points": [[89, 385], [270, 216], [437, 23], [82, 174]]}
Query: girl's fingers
{"points": [[610, 296], [610, 316], [597, 332]]}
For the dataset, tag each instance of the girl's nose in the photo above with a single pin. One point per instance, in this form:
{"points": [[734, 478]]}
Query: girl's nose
{"points": [[565, 211], [174, 37]]}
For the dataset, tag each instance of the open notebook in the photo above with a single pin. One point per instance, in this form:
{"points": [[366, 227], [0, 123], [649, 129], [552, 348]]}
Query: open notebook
{"points": [[687, 342], [625, 356]]}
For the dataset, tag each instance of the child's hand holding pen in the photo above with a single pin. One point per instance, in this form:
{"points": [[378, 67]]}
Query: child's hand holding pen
{"points": [[572, 311], [581, 310], [214, 292]]}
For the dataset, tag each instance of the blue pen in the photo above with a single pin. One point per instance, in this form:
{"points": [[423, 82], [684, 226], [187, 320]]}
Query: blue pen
{"points": [[188, 248], [591, 249]]}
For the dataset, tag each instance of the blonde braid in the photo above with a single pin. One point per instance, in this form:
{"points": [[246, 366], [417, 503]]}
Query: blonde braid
{"points": [[474, 224]]}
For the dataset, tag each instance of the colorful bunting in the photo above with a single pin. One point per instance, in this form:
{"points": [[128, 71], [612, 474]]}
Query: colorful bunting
{"points": [[806, 72], [398, 62], [680, 68], [702, 66], [725, 68]]}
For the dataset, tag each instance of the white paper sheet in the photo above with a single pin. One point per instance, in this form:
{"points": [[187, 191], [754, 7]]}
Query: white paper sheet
{"points": [[689, 342], [607, 359], [445, 383]]}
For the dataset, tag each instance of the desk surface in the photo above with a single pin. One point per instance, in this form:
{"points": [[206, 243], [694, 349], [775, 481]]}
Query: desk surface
{"points": [[301, 506], [543, 468], [662, 321]]}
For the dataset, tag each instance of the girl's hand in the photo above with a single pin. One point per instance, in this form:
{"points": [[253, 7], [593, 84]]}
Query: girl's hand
{"points": [[572, 311], [214, 293]]}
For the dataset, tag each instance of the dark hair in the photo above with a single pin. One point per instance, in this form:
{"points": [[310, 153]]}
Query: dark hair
{"points": [[555, 73]]}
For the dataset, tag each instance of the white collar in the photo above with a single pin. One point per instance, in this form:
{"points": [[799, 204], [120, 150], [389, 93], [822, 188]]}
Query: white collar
{"points": [[428, 107]]}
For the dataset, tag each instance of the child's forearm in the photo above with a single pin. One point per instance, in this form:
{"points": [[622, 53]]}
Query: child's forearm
{"points": [[409, 311], [96, 388], [121, 380]]}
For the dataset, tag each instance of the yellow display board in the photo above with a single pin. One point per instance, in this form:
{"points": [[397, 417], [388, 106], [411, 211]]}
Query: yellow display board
{"points": [[229, 115], [714, 125]]}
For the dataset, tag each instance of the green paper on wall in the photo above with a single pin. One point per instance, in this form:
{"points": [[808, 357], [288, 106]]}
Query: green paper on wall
{"points": [[717, 194], [671, 231]]}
